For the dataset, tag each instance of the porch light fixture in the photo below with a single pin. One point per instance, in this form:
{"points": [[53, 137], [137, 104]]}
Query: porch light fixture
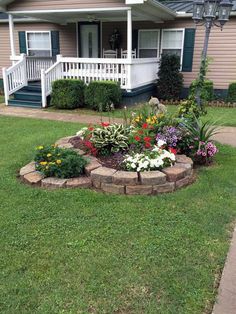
{"points": [[209, 13]]}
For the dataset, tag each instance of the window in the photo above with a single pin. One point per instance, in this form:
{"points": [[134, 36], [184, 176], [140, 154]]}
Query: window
{"points": [[148, 43], [173, 42], [38, 44]]}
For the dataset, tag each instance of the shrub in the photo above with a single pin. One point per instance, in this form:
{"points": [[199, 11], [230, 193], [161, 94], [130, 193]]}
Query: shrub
{"points": [[100, 95], [231, 97], [53, 161], [170, 80], [67, 94], [207, 93], [189, 109]]}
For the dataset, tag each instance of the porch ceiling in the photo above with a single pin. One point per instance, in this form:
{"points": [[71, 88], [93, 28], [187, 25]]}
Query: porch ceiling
{"points": [[149, 10]]}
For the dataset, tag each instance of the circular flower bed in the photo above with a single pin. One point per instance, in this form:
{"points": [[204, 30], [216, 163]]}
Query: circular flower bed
{"points": [[152, 154]]}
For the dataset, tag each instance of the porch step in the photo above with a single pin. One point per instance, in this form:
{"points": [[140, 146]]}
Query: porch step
{"points": [[29, 96], [24, 103]]}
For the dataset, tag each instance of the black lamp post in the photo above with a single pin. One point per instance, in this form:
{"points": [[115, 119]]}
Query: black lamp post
{"points": [[209, 13]]}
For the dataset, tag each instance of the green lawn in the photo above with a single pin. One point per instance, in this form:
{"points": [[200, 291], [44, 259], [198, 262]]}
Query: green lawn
{"points": [[1, 99], [78, 251], [224, 116]]}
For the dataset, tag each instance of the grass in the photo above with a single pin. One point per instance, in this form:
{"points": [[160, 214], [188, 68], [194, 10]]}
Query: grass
{"points": [[2, 99], [223, 116], [78, 251]]}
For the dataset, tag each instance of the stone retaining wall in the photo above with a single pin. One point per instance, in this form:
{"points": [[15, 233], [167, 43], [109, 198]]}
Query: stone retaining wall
{"points": [[117, 182]]}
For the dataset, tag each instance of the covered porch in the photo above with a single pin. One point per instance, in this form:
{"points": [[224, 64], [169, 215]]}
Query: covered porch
{"points": [[130, 67]]}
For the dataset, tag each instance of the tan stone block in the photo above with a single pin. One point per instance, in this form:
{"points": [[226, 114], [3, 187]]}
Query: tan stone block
{"points": [[125, 178], [66, 146], [103, 174], [28, 168], [53, 183], [33, 178], [139, 189], [92, 166], [80, 182], [164, 188], [113, 188], [96, 184], [174, 173], [78, 151], [64, 140], [152, 177], [188, 167], [183, 159], [183, 182]]}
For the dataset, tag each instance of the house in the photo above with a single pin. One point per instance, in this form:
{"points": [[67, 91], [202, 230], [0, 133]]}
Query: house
{"points": [[119, 40]]}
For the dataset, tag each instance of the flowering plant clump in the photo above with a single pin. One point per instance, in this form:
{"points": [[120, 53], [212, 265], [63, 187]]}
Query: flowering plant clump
{"points": [[154, 159], [205, 152], [53, 161], [171, 135]]}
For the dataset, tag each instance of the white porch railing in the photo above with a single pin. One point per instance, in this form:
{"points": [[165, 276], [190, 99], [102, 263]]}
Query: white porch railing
{"points": [[15, 77], [35, 65], [129, 73]]}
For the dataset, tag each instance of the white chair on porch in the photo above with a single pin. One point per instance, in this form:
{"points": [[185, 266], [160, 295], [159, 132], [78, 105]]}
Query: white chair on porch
{"points": [[110, 54], [124, 54]]}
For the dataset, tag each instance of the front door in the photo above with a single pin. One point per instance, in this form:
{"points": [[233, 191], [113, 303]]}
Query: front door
{"points": [[89, 40]]}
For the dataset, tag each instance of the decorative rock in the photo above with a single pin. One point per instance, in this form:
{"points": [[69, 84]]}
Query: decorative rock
{"points": [[33, 178], [152, 178], [103, 174], [53, 183], [28, 168], [183, 159], [81, 182], [125, 178], [174, 173], [183, 182], [113, 188], [92, 166], [165, 188], [96, 184], [139, 190]]}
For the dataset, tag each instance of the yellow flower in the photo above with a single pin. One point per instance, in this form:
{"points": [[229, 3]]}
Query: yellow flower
{"points": [[40, 147], [58, 161], [49, 155], [148, 120], [43, 163]]}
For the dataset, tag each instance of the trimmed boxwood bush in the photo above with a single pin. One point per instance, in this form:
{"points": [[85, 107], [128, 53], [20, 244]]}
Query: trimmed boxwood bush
{"points": [[170, 80], [207, 93], [67, 94], [99, 95], [231, 97]]}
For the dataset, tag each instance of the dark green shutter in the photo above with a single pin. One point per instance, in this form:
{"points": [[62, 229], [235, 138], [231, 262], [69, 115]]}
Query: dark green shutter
{"points": [[55, 43], [189, 41], [22, 42], [135, 39]]}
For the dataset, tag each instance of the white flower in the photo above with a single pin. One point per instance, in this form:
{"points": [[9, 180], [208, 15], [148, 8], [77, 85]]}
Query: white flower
{"points": [[161, 143]]}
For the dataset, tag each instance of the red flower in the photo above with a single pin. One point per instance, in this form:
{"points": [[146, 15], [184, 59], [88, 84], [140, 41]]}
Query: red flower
{"points": [[105, 124], [145, 126], [173, 150], [147, 139], [147, 145], [140, 131], [91, 128], [137, 138]]}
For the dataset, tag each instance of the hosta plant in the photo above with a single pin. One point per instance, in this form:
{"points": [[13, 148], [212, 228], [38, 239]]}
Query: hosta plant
{"points": [[154, 159]]}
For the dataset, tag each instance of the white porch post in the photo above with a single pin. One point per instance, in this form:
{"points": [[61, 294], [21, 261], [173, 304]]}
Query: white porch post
{"points": [[11, 31], [129, 47]]}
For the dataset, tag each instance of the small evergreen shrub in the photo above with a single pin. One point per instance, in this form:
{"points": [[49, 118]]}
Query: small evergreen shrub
{"points": [[231, 96], [170, 80], [67, 94], [99, 95], [53, 161], [207, 93]]}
